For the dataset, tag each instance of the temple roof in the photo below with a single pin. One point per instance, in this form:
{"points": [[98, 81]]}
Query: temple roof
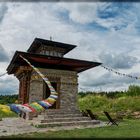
{"points": [[38, 42], [49, 62]]}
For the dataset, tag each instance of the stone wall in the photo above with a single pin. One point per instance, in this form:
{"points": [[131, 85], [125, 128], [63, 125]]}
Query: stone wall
{"points": [[36, 90], [67, 87]]}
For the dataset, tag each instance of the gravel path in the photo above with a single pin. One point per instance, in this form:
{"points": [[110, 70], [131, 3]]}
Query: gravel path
{"points": [[12, 126], [15, 126]]}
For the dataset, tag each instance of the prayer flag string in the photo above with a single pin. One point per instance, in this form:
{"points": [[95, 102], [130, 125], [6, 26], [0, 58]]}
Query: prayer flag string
{"points": [[36, 106], [3, 74], [118, 73], [52, 90]]}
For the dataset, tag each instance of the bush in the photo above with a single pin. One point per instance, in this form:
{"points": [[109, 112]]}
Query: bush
{"points": [[133, 90], [95, 103], [125, 102]]}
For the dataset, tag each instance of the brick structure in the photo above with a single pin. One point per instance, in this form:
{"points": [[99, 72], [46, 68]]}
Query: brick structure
{"points": [[62, 72]]}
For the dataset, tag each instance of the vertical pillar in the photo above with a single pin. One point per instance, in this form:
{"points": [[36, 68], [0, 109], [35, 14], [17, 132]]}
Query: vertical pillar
{"points": [[23, 75]]}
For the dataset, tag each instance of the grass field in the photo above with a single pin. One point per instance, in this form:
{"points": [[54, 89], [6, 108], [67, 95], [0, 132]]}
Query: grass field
{"points": [[126, 129]]}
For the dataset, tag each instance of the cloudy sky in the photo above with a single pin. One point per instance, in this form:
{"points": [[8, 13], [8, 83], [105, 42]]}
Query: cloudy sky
{"points": [[103, 32]]}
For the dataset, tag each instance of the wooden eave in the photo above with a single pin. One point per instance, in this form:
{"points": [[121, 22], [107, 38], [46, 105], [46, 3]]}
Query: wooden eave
{"points": [[49, 62]]}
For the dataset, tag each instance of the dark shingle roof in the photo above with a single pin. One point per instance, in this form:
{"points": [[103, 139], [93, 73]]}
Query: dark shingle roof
{"points": [[38, 42]]}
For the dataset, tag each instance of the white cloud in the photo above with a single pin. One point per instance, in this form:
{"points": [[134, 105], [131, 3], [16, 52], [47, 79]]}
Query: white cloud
{"points": [[120, 61], [99, 79], [3, 10], [3, 55], [8, 85], [22, 22], [82, 12], [116, 15]]}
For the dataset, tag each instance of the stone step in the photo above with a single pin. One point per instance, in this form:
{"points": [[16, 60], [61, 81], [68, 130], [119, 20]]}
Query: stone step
{"points": [[54, 111], [62, 116], [65, 119], [72, 123], [64, 113], [57, 110]]}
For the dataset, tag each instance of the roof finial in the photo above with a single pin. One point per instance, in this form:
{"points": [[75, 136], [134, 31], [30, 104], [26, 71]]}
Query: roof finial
{"points": [[51, 38]]}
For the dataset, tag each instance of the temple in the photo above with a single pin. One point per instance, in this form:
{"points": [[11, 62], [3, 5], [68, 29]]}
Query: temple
{"points": [[62, 72]]}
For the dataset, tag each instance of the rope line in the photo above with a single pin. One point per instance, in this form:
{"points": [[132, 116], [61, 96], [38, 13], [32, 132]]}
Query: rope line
{"points": [[3, 74]]}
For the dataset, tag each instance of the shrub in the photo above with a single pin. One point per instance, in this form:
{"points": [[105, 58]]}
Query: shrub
{"points": [[125, 102], [133, 90], [95, 103]]}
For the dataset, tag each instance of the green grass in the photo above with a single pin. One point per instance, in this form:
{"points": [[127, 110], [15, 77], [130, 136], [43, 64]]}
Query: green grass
{"points": [[4, 115], [8, 114], [126, 129]]}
